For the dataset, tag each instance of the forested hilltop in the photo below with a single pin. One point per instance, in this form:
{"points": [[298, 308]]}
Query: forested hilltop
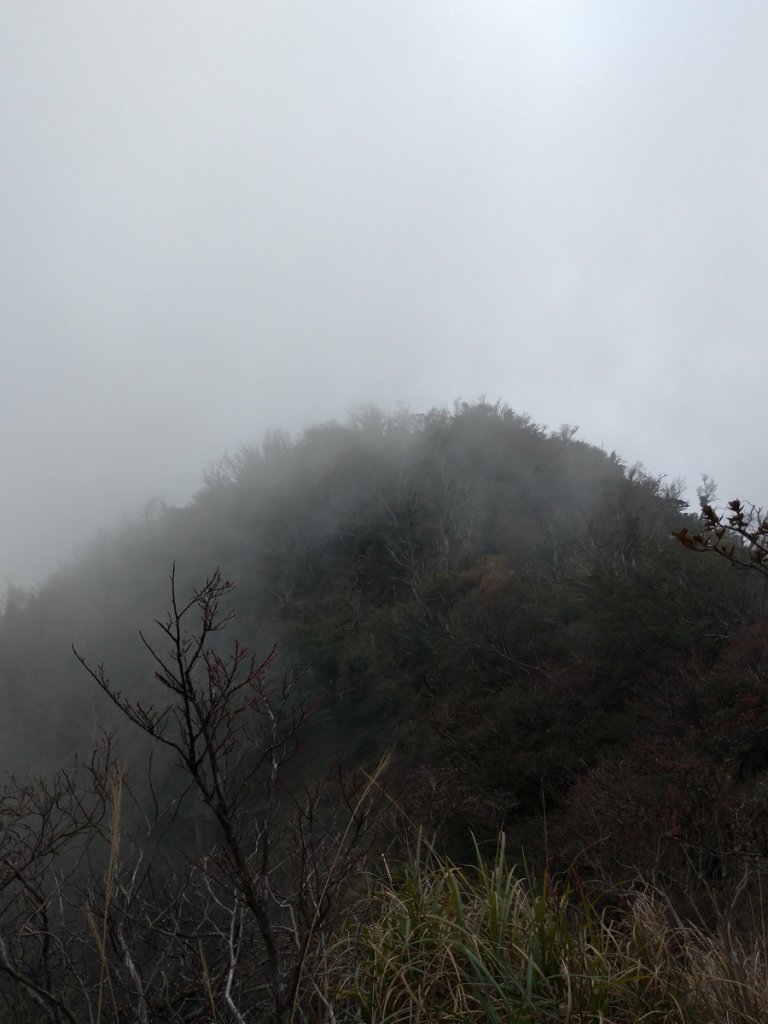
{"points": [[491, 620], [502, 606]]}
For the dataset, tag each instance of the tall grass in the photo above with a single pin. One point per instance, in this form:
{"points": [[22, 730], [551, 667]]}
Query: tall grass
{"points": [[100, 931], [436, 942]]}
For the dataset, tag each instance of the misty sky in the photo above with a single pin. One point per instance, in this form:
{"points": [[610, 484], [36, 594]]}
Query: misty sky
{"points": [[222, 217]]}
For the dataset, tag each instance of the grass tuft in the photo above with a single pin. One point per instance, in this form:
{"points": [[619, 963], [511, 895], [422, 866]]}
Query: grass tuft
{"points": [[436, 942]]}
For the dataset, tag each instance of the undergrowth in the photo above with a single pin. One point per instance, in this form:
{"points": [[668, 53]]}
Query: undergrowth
{"points": [[435, 942]]}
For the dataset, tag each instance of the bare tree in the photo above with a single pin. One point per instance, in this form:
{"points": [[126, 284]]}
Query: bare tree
{"points": [[47, 830], [271, 880], [104, 921]]}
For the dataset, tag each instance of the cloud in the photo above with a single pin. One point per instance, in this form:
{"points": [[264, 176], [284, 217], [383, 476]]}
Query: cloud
{"points": [[223, 218]]}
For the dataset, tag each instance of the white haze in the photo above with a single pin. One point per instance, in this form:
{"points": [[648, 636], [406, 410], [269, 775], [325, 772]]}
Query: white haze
{"points": [[220, 217]]}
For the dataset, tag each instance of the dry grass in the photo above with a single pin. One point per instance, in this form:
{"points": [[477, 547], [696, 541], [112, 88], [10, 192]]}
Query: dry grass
{"points": [[438, 943]]}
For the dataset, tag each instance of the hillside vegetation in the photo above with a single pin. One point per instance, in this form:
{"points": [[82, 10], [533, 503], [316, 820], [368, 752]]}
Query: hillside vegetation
{"points": [[482, 628]]}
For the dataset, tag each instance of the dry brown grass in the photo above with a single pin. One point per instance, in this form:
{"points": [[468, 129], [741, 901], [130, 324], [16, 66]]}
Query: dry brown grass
{"points": [[439, 943]]}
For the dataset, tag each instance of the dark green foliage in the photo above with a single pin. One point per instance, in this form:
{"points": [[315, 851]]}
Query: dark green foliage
{"points": [[500, 606]]}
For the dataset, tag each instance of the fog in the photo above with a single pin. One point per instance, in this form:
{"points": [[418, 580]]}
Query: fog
{"points": [[220, 218]]}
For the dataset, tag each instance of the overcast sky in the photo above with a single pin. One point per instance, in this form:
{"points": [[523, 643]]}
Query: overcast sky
{"points": [[222, 217]]}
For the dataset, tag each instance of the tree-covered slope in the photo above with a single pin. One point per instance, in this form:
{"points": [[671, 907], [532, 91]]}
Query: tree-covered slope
{"points": [[500, 606]]}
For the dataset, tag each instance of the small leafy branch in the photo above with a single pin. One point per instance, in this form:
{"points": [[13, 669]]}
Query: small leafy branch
{"points": [[739, 534]]}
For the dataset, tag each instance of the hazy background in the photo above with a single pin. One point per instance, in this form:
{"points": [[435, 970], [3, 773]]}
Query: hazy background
{"points": [[223, 217]]}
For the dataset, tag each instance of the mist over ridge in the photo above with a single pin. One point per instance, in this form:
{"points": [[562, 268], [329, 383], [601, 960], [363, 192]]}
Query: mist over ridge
{"points": [[344, 523], [276, 451]]}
